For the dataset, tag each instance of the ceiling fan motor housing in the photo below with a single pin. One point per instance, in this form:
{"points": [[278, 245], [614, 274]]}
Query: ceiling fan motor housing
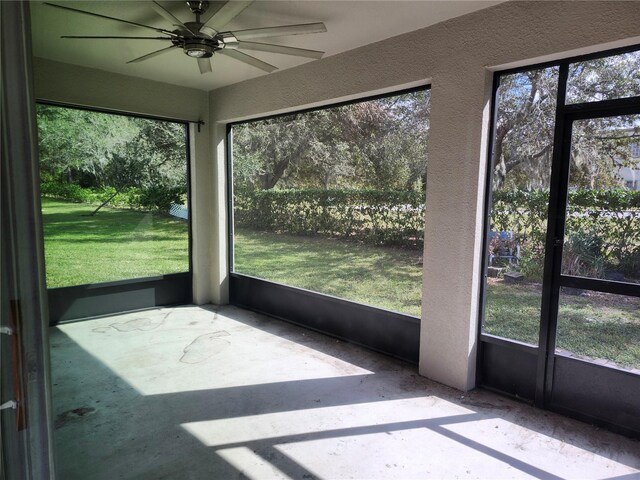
{"points": [[201, 46]]}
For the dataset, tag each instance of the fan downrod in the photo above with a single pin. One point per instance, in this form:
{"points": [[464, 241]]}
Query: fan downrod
{"points": [[198, 7]]}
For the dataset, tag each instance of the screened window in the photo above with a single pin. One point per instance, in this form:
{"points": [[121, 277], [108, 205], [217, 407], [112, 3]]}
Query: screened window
{"points": [[522, 153], [600, 208], [114, 196], [332, 200]]}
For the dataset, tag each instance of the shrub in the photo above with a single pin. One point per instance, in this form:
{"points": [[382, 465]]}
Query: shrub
{"points": [[630, 264], [374, 216], [157, 198], [612, 216], [532, 263], [67, 191], [582, 256]]}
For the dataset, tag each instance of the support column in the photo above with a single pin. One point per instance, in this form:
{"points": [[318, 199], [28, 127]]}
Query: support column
{"points": [[454, 223], [201, 211]]}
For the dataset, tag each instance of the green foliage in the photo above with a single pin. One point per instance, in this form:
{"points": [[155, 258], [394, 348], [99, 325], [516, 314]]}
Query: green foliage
{"points": [[392, 217], [68, 191], [380, 144], [160, 198], [375, 216], [532, 262], [582, 255], [603, 228], [97, 157], [155, 198]]}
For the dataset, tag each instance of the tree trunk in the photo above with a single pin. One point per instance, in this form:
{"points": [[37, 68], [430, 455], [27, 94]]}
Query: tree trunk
{"points": [[104, 203]]}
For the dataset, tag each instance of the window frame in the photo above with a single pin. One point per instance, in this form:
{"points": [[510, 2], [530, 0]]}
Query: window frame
{"points": [[70, 303], [316, 310]]}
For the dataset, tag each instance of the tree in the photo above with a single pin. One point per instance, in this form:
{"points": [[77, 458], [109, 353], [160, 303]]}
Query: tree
{"points": [[264, 150], [74, 144], [373, 144], [93, 149], [153, 160], [523, 141]]}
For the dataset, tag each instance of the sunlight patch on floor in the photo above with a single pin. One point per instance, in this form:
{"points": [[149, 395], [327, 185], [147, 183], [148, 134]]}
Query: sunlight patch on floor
{"points": [[251, 465], [391, 415], [190, 348]]}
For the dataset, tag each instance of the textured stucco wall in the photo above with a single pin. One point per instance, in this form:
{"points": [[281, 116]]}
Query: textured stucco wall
{"points": [[455, 57], [74, 85]]}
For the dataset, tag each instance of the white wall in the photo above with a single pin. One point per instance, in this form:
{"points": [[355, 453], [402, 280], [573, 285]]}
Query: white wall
{"points": [[74, 85], [456, 58]]}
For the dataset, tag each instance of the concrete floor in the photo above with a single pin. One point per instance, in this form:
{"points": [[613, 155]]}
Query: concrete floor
{"points": [[204, 393]]}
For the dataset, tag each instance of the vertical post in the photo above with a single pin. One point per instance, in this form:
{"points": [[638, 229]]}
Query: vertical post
{"points": [[27, 445]]}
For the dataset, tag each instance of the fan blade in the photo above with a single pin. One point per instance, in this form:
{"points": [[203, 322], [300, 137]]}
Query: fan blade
{"points": [[161, 30], [169, 17], [204, 64], [248, 59], [267, 47], [128, 38], [152, 54], [301, 29], [226, 13]]}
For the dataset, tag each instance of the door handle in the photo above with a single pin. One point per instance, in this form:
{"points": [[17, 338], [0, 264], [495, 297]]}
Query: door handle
{"points": [[6, 331]]}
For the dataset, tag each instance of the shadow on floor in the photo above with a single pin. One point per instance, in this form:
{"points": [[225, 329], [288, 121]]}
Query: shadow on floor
{"points": [[106, 428]]}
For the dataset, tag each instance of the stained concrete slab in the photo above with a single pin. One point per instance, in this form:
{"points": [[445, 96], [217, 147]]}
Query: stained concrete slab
{"points": [[217, 393]]}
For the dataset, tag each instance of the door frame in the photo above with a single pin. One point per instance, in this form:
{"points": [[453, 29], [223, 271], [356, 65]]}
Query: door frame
{"points": [[553, 278], [527, 372]]}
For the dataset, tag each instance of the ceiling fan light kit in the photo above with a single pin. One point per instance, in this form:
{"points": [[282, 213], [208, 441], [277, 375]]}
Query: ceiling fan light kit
{"points": [[203, 38]]}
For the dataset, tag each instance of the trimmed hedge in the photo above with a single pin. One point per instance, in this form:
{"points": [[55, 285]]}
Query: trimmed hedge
{"points": [[385, 217], [375, 216], [612, 217]]}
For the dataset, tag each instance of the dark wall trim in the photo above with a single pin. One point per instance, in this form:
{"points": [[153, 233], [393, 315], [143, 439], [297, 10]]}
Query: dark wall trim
{"points": [[384, 331], [597, 394], [83, 301], [605, 286], [508, 368], [117, 112], [574, 59]]}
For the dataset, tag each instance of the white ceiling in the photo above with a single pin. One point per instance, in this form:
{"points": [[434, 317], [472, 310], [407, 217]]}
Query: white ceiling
{"points": [[350, 24]]}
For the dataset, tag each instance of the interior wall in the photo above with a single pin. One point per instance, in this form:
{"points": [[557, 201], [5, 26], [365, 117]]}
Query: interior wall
{"points": [[71, 84], [456, 57]]}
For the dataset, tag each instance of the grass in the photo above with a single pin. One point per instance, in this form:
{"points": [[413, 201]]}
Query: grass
{"points": [[384, 277], [598, 326], [112, 245], [593, 325]]}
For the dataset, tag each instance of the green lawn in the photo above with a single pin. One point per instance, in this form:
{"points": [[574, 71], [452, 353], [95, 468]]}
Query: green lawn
{"points": [[384, 277], [596, 325], [112, 245]]}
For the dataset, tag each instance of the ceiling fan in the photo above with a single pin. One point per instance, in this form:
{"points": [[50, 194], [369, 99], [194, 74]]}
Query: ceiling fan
{"points": [[204, 37]]}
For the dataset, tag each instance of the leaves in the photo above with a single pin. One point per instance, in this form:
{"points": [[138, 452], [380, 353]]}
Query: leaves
{"points": [[525, 122], [81, 149], [373, 144]]}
